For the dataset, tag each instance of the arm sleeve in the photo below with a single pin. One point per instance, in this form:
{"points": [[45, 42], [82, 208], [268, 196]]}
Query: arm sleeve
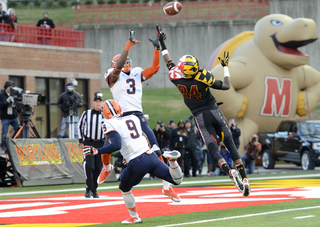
{"points": [[259, 146], [52, 24], [39, 23], [81, 126], [114, 145], [245, 146], [80, 103], [170, 65], [60, 102], [154, 68], [167, 133]]}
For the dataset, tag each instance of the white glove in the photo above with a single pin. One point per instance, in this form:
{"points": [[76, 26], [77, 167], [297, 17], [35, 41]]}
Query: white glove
{"points": [[88, 150], [9, 99]]}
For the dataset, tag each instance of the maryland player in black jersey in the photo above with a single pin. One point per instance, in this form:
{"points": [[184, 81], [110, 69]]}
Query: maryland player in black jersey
{"points": [[194, 84]]}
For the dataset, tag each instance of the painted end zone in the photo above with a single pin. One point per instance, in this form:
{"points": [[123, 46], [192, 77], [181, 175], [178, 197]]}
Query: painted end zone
{"points": [[74, 208]]}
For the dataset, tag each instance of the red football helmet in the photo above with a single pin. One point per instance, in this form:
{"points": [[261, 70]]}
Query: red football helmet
{"points": [[111, 109], [127, 65]]}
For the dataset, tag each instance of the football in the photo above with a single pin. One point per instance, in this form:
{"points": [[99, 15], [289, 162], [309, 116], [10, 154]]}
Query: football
{"points": [[172, 8]]}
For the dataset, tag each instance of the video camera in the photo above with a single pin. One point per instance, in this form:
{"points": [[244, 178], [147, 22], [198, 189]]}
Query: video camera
{"points": [[25, 101]]}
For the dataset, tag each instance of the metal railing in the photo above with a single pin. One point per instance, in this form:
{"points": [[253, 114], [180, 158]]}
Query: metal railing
{"points": [[42, 36], [213, 10], [63, 25]]}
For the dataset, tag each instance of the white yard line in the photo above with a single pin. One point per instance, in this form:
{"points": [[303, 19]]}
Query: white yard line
{"points": [[310, 216], [156, 184], [242, 216]]}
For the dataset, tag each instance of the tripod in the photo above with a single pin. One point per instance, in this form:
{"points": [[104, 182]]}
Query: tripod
{"points": [[72, 125], [24, 127], [72, 122]]}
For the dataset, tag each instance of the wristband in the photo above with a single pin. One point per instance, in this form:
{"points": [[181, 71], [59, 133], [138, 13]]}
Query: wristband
{"points": [[226, 71], [119, 70], [164, 52]]}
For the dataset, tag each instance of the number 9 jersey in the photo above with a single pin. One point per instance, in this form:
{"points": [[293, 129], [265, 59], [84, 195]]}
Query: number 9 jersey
{"points": [[127, 91], [133, 143]]}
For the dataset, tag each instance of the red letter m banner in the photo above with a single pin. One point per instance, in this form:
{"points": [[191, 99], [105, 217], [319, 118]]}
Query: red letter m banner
{"points": [[277, 97]]}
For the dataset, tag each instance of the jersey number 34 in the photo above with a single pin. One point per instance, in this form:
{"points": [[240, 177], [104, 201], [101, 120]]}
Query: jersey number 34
{"points": [[193, 91]]}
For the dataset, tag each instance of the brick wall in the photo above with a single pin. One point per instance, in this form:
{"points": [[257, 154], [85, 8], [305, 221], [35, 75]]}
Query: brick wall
{"points": [[33, 61], [56, 60]]}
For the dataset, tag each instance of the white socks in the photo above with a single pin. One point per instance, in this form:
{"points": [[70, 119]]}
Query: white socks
{"points": [[130, 202]]}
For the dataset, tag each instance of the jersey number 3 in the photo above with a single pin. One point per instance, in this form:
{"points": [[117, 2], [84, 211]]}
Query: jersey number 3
{"points": [[193, 91], [132, 127], [132, 85]]}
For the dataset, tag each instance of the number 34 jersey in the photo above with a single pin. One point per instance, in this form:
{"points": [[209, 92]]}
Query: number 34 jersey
{"points": [[133, 143], [127, 91], [196, 91]]}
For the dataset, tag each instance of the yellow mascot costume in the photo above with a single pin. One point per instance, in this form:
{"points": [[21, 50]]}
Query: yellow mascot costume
{"points": [[270, 79]]}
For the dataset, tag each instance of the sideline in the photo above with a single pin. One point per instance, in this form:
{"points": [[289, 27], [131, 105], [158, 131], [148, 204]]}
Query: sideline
{"points": [[243, 216], [158, 184]]}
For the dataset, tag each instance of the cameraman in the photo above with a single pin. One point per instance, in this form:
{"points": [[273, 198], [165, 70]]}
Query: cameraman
{"points": [[8, 112], [236, 133], [69, 102], [162, 134], [252, 148]]}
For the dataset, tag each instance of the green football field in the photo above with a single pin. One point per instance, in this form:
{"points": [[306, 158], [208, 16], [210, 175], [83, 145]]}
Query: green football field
{"points": [[275, 200]]}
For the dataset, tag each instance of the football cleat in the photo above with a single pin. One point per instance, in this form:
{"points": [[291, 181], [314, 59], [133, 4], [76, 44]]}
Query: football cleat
{"points": [[104, 174], [132, 220], [172, 155], [233, 174], [172, 194], [246, 187]]}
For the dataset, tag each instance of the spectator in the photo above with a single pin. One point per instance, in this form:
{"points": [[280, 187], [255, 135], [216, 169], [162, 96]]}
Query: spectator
{"points": [[178, 142], [91, 134], [45, 33], [225, 153], [8, 112], [12, 20], [162, 134], [69, 102], [3, 15], [236, 132], [45, 22], [171, 124], [191, 152], [3, 18], [252, 148]]}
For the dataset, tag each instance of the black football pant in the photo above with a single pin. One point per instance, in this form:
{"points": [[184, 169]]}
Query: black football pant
{"points": [[92, 166], [214, 127]]}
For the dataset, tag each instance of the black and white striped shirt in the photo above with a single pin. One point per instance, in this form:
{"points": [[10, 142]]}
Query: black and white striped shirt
{"points": [[90, 126]]}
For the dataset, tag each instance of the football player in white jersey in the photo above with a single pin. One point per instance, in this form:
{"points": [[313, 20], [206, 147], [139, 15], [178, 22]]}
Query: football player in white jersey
{"points": [[115, 72], [126, 89], [125, 134]]}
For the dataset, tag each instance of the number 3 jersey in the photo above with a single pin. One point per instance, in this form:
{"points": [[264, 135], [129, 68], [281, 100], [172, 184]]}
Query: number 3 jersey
{"points": [[195, 91], [133, 143], [127, 90]]}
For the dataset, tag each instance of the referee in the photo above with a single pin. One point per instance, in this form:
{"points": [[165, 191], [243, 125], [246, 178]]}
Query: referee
{"points": [[90, 133]]}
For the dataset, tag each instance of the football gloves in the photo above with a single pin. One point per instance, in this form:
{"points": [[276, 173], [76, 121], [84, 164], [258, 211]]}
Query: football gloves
{"points": [[225, 61], [132, 37], [155, 43], [89, 150], [161, 35]]}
